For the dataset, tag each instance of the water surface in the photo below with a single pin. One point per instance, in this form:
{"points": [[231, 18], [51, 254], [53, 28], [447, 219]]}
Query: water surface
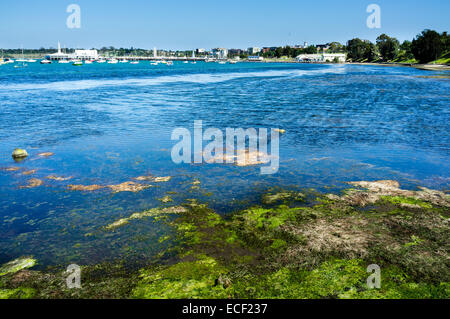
{"points": [[107, 124]]}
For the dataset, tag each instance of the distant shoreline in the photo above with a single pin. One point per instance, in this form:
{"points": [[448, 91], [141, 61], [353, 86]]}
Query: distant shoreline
{"points": [[427, 67]]}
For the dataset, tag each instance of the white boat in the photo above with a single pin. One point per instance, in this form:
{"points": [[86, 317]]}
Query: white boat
{"points": [[154, 63], [88, 62], [186, 62], [123, 61], [193, 62], [45, 61], [23, 65], [31, 61], [63, 61], [134, 62], [101, 61], [233, 62], [77, 63], [113, 61], [222, 62]]}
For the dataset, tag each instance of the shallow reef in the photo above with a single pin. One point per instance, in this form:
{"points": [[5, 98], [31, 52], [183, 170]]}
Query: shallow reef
{"points": [[293, 244]]}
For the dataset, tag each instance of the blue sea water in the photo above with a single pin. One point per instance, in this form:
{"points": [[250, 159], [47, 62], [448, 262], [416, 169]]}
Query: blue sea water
{"points": [[107, 124]]}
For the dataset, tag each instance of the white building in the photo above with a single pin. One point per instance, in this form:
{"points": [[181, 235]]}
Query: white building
{"points": [[220, 53], [78, 55], [324, 57], [254, 50], [255, 59]]}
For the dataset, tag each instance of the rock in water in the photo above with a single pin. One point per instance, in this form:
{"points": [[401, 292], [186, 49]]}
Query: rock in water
{"points": [[19, 153]]}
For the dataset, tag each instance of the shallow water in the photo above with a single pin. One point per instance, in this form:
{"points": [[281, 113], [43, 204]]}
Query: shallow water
{"points": [[107, 124]]}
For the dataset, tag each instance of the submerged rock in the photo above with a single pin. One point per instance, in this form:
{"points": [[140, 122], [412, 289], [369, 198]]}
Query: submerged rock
{"points": [[19, 153], [29, 172], [16, 265], [128, 187], [166, 199], [34, 182], [10, 169], [85, 188], [59, 178], [269, 199], [148, 213], [46, 154], [154, 179]]}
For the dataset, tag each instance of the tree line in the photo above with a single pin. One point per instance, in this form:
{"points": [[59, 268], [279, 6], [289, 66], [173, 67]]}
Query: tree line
{"points": [[428, 46]]}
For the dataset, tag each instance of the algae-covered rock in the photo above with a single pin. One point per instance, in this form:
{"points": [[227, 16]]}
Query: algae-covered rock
{"points": [[166, 199], [16, 265], [374, 191], [269, 198], [19, 153], [148, 213]]}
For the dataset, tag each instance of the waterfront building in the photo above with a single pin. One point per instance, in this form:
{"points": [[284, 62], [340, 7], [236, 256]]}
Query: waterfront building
{"points": [[220, 53], [255, 58], [323, 57], [77, 55], [253, 50]]}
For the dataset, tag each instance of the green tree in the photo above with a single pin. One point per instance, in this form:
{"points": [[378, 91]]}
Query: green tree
{"points": [[355, 49], [388, 47], [335, 47], [427, 46], [370, 51], [310, 50]]}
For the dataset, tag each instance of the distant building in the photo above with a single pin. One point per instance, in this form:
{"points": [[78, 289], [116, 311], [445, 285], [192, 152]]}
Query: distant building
{"points": [[254, 50], [321, 58], [220, 53], [268, 49], [255, 58], [77, 55]]}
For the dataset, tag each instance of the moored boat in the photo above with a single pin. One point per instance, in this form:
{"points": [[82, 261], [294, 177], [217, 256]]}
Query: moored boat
{"points": [[45, 61]]}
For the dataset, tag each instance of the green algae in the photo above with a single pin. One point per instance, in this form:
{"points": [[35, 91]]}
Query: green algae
{"points": [[406, 201], [189, 279], [16, 265], [18, 293], [320, 249]]}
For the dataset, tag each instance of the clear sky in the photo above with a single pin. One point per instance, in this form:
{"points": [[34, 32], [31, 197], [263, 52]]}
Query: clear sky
{"points": [[188, 24]]}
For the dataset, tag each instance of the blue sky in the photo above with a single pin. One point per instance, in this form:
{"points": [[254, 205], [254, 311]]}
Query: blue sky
{"points": [[190, 24]]}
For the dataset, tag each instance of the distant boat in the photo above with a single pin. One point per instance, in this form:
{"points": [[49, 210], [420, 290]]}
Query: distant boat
{"points": [[23, 65], [134, 62], [222, 62], [88, 62], [45, 61], [101, 61], [63, 61], [233, 62], [154, 63], [123, 61], [77, 63], [186, 62], [31, 60], [193, 62], [113, 61]]}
